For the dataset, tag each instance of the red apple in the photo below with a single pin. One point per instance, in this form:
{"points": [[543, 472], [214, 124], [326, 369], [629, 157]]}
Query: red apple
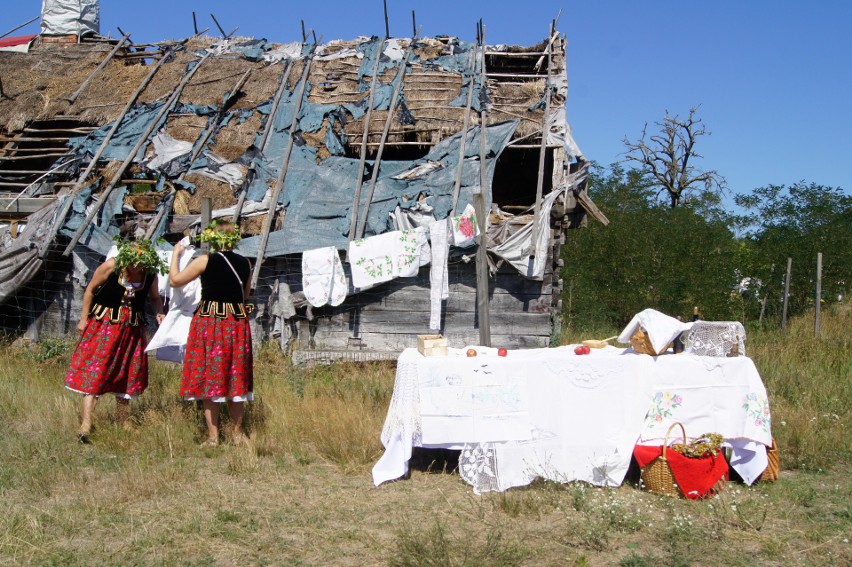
{"points": [[579, 349], [587, 349], [502, 352], [471, 352]]}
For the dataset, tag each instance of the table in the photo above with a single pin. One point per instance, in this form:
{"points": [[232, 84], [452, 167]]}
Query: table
{"points": [[553, 414]]}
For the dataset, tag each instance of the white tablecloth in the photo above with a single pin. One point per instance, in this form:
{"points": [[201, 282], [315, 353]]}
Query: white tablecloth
{"points": [[550, 413]]}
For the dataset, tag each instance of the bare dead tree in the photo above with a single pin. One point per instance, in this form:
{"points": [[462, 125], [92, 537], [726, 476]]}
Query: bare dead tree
{"points": [[666, 157]]}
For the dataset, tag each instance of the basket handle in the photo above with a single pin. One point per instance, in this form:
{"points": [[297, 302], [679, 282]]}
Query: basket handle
{"points": [[666, 439]]}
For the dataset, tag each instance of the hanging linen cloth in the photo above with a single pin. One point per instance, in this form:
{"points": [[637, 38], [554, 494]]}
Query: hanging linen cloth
{"points": [[170, 339], [438, 280], [323, 279], [381, 258], [465, 227]]}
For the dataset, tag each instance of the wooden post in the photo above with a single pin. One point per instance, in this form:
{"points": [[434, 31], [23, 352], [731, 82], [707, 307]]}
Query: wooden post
{"points": [[537, 220], [359, 182], [786, 293], [172, 100], [482, 207], [264, 141], [387, 25], [400, 77], [103, 64], [818, 296], [282, 174], [206, 217], [463, 140], [766, 295]]}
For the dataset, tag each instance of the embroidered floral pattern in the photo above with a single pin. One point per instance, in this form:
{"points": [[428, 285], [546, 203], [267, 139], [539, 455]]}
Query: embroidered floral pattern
{"points": [[218, 360], [662, 406], [757, 408], [110, 358]]}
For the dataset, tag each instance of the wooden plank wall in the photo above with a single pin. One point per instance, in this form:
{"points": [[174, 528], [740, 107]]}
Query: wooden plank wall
{"points": [[389, 317]]}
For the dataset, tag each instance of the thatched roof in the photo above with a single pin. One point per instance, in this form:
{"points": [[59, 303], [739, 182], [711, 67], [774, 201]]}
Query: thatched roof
{"points": [[37, 85]]}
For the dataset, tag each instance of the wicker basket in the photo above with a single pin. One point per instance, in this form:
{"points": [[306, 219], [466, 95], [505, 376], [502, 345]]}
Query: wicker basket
{"points": [[773, 467], [657, 475], [641, 343]]}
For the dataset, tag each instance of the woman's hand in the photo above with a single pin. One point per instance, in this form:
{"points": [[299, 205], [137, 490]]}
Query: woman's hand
{"points": [[160, 317], [178, 250], [81, 325]]}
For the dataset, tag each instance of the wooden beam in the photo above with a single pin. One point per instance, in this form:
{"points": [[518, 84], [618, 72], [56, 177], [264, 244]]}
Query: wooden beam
{"points": [[282, 174], [463, 140], [359, 182], [400, 78], [166, 108], [483, 307], [264, 140], [100, 67], [66, 205], [537, 222]]}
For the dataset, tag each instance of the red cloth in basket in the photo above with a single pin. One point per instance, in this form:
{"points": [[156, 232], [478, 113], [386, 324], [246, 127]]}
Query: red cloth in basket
{"points": [[696, 476]]}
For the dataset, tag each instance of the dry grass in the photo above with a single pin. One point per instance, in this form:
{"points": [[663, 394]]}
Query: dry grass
{"points": [[300, 492]]}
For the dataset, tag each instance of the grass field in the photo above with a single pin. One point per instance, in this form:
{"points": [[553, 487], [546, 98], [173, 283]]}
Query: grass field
{"points": [[301, 493]]}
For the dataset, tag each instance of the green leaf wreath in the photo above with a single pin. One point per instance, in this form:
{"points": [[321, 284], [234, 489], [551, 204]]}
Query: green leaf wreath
{"points": [[220, 239], [138, 253]]}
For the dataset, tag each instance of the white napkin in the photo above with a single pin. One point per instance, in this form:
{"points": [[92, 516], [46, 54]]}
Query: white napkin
{"points": [[661, 328]]}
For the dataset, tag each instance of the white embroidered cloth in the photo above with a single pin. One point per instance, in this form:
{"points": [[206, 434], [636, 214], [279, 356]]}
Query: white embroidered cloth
{"points": [[465, 227], [566, 417], [381, 258], [323, 279], [661, 328]]}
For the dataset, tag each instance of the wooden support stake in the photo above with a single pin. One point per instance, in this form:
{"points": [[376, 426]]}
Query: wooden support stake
{"points": [[766, 295], [166, 108], [16, 28], [66, 206], [99, 68], [206, 217], [482, 207], [400, 77], [224, 35], [818, 296], [463, 140], [537, 220], [194, 24], [387, 25], [786, 293], [264, 140], [282, 174], [359, 182]]}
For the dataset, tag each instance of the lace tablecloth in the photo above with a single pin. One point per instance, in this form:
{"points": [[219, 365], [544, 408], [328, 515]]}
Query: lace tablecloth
{"points": [[550, 413]]}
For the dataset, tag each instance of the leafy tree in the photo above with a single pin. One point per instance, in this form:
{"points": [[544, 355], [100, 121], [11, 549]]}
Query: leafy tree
{"points": [[798, 222], [650, 255], [667, 159]]}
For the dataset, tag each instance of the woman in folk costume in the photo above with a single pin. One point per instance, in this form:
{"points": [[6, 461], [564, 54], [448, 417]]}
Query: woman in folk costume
{"points": [[110, 357], [218, 364]]}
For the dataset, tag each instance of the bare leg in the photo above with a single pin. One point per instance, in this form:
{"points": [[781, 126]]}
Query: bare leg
{"points": [[211, 416], [122, 411], [236, 410], [89, 403]]}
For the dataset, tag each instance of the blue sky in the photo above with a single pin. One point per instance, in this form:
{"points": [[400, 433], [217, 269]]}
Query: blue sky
{"points": [[773, 78]]}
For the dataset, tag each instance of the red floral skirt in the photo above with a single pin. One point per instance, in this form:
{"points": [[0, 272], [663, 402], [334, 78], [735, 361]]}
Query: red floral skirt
{"points": [[109, 359], [218, 362]]}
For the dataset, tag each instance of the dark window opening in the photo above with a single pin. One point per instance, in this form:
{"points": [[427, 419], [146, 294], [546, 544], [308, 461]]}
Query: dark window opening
{"points": [[516, 178]]}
